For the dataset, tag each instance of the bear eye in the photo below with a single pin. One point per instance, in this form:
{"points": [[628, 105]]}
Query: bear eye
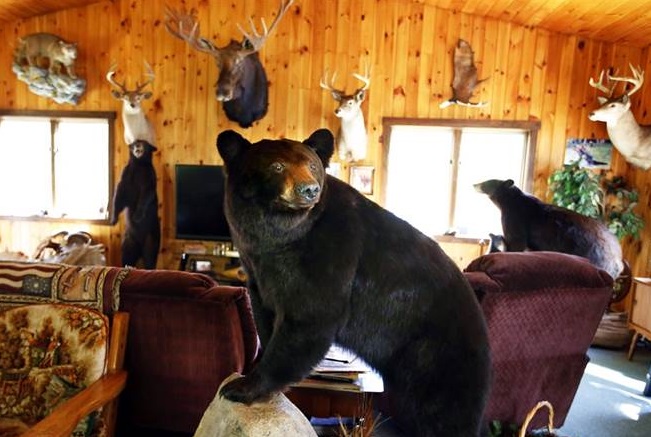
{"points": [[313, 166], [277, 167]]}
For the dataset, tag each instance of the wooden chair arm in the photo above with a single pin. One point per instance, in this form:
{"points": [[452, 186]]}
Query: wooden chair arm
{"points": [[65, 417]]}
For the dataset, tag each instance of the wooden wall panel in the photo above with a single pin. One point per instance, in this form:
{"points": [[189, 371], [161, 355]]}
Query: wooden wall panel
{"points": [[532, 74]]}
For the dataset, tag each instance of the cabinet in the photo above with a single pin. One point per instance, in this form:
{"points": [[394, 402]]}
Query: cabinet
{"points": [[639, 318], [226, 269]]}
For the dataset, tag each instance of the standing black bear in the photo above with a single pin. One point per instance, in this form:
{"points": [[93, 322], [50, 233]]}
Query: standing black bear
{"points": [[136, 192], [325, 265], [529, 224]]}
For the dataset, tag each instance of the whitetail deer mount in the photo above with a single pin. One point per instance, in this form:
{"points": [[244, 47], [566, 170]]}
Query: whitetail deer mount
{"points": [[136, 124], [352, 138], [465, 77], [242, 85], [632, 140]]}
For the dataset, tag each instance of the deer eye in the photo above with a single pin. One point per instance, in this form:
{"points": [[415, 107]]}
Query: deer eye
{"points": [[277, 167]]}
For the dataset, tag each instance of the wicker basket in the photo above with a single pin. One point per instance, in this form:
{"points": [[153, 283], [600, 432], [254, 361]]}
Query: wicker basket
{"points": [[543, 432]]}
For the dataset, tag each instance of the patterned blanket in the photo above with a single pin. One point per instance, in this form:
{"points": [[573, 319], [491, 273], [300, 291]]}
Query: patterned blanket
{"points": [[24, 283]]}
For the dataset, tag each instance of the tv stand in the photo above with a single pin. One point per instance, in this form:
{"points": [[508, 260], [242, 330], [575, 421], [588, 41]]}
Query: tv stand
{"points": [[225, 267]]}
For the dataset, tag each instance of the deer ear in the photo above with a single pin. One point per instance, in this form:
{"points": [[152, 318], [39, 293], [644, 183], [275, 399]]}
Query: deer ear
{"points": [[116, 94], [625, 99], [323, 143], [336, 95], [360, 95], [601, 100], [230, 145], [146, 95]]}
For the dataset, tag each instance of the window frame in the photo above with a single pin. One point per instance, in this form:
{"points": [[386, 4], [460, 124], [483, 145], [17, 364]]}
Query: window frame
{"points": [[532, 127], [54, 115]]}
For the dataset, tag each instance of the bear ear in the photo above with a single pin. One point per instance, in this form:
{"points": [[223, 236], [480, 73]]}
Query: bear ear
{"points": [[508, 183], [323, 143], [230, 145]]}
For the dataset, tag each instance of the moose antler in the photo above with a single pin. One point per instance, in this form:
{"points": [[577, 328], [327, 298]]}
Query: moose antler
{"points": [[186, 27], [257, 40]]}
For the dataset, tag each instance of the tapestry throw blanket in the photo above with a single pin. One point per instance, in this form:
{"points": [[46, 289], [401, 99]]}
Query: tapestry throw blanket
{"points": [[97, 287]]}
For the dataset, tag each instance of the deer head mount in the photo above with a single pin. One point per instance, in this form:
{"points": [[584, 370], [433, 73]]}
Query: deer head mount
{"points": [[465, 77], [352, 138], [136, 124], [242, 83], [632, 140]]}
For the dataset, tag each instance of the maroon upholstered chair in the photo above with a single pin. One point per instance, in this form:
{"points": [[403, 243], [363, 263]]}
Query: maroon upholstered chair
{"points": [[542, 310]]}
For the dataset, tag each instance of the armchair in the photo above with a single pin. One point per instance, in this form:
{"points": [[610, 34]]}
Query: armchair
{"points": [[57, 323]]}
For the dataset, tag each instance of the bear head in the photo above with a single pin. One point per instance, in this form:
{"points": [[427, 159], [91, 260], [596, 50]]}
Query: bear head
{"points": [[493, 187], [277, 174], [141, 150]]}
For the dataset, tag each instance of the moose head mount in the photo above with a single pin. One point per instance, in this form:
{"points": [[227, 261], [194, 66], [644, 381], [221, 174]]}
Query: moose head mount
{"points": [[136, 124], [352, 138], [242, 83], [465, 77], [632, 140]]}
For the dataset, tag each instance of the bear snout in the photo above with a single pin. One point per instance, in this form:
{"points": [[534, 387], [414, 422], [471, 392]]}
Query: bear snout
{"points": [[308, 191]]}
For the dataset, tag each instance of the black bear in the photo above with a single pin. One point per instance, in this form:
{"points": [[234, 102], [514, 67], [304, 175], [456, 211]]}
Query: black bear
{"points": [[136, 192], [325, 264], [530, 224]]}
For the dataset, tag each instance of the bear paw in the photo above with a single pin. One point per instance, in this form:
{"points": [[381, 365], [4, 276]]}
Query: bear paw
{"points": [[246, 390]]}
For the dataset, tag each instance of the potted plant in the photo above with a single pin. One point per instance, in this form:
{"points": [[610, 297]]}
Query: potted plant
{"points": [[604, 198]]}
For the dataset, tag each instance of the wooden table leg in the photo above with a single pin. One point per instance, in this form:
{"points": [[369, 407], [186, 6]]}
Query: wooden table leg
{"points": [[631, 348]]}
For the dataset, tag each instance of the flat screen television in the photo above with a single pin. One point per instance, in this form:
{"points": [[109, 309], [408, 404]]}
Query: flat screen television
{"points": [[200, 203]]}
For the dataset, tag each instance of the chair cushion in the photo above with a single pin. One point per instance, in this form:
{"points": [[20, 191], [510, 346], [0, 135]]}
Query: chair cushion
{"points": [[48, 353]]}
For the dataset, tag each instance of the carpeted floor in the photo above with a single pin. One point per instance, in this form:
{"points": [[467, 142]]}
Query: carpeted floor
{"points": [[609, 401]]}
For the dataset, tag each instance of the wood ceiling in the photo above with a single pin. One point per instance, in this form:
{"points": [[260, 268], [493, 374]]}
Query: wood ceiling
{"points": [[625, 22]]}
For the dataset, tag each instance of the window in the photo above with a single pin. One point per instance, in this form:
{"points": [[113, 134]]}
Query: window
{"points": [[55, 164], [432, 166]]}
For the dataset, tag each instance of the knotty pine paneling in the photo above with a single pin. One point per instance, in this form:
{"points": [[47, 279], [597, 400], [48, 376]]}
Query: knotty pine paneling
{"points": [[532, 74]]}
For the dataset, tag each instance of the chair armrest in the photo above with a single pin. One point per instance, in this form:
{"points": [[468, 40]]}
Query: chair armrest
{"points": [[65, 417]]}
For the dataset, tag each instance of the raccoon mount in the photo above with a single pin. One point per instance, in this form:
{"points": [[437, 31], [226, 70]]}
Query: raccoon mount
{"points": [[45, 62]]}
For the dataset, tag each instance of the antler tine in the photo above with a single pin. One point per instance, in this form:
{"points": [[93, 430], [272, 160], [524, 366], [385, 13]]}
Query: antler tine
{"points": [[150, 75], [109, 76], [637, 80], [329, 84], [366, 78], [600, 85], [186, 27], [257, 39]]}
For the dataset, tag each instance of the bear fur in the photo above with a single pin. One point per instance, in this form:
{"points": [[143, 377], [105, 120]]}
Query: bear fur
{"points": [[326, 265], [530, 224], [136, 192]]}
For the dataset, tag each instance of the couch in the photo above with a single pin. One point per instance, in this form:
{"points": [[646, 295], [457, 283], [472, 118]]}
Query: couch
{"points": [[542, 310], [186, 334]]}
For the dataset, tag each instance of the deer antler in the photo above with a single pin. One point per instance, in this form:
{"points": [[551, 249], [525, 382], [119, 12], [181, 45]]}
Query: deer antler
{"points": [[186, 27], [329, 84], [366, 78], [637, 80], [150, 75], [257, 40], [600, 84], [111, 79]]}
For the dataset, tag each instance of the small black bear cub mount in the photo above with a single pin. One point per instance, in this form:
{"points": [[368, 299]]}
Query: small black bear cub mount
{"points": [[326, 265], [136, 192]]}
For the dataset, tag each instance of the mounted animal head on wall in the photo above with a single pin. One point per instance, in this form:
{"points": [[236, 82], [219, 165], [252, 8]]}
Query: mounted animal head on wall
{"points": [[465, 77], [242, 83], [352, 138], [136, 124], [632, 140]]}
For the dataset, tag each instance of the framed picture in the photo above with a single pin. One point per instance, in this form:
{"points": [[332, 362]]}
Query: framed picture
{"points": [[361, 178], [591, 153]]}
